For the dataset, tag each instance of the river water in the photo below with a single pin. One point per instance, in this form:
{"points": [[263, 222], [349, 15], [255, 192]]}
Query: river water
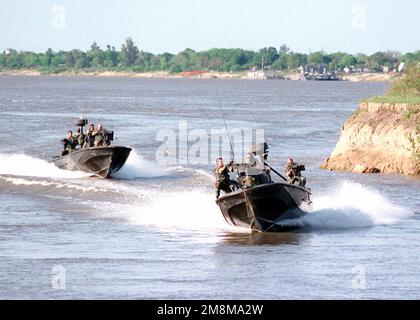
{"points": [[154, 230]]}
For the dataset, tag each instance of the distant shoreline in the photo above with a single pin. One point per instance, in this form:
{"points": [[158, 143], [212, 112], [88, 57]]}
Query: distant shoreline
{"points": [[364, 77]]}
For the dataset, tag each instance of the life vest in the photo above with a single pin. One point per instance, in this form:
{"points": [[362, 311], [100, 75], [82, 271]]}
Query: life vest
{"points": [[224, 176]]}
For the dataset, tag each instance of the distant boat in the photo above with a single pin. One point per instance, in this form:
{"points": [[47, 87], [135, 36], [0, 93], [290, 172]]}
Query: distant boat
{"points": [[101, 161], [98, 161], [320, 77]]}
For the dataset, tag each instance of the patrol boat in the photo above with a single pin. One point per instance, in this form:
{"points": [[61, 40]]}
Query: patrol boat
{"points": [[264, 205], [100, 161]]}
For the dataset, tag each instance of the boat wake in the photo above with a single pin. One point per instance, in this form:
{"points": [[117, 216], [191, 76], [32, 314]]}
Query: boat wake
{"points": [[351, 205], [19, 164], [23, 165], [192, 210], [49, 185], [137, 167]]}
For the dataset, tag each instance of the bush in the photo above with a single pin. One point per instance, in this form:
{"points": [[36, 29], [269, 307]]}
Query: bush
{"points": [[409, 85]]}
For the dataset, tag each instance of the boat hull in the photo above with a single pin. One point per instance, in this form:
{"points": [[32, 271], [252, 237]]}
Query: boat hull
{"points": [[99, 161], [263, 207]]}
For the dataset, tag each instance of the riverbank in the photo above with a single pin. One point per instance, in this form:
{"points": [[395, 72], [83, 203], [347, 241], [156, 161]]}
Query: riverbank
{"points": [[371, 77], [379, 138], [196, 74]]}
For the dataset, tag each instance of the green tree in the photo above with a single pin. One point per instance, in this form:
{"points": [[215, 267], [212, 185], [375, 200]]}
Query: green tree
{"points": [[411, 58], [266, 56], [361, 60], [155, 63], [295, 60], [179, 63], [165, 59], [31, 60], [144, 61], [78, 58], [201, 62], [15, 60], [70, 59], [3, 62], [284, 49], [59, 59], [111, 57], [129, 52], [336, 58], [96, 56], [391, 58], [318, 57], [215, 63], [82, 61], [48, 57], [346, 60], [409, 84], [376, 61], [281, 63]]}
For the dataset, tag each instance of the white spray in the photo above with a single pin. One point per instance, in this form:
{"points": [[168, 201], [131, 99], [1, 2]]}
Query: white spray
{"points": [[24, 165], [350, 205]]}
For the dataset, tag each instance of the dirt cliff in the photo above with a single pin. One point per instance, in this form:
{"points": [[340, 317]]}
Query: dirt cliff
{"points": [[379, 138]]}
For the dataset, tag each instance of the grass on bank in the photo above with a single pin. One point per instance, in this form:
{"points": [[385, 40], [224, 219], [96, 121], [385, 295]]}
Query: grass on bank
{"points": [[404, 90], [408, 99]]}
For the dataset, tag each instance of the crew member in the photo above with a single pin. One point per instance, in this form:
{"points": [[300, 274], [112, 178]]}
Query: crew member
{"points": [[90, 138], [221, 173], [99, 135], [69, 143], [293, 173], [244, 178], [80, 138]]}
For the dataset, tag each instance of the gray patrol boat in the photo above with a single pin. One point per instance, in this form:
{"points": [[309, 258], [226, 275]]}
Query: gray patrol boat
{"points": [[263, 206], [100, 161]]}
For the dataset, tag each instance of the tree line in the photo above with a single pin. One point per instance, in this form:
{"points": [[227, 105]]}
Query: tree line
{"points": [[130, 58]]}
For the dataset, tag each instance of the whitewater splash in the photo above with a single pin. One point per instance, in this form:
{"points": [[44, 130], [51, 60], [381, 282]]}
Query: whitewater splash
{"points": [[350, 205], [137, 167], [189, 210], [24, 165]]}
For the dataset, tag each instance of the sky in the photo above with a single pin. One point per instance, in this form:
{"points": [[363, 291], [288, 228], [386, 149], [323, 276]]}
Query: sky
{"points": [[161, 26]]}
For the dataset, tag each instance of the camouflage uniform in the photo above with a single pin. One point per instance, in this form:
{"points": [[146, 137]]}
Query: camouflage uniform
{"points": [[249, 181], [99, 137], [81, 139], [69, 145], [293, 174], [90, 138], [223, 181]]}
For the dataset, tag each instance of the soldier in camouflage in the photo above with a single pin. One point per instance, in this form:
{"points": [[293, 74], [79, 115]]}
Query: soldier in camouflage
{"points": [[90, 138], [69, 143], [99, 135], [293, 173], [221, 173], [81, 138]]}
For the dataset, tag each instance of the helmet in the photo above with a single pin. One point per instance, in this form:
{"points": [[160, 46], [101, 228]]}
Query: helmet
{"points": [[250, 159]]}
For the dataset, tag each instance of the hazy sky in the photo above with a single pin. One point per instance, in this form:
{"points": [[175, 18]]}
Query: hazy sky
{"points": [[164, 25]]}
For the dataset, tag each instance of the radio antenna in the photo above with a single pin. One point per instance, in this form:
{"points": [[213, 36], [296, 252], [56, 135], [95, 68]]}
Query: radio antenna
{"points": [[232, 153]]}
